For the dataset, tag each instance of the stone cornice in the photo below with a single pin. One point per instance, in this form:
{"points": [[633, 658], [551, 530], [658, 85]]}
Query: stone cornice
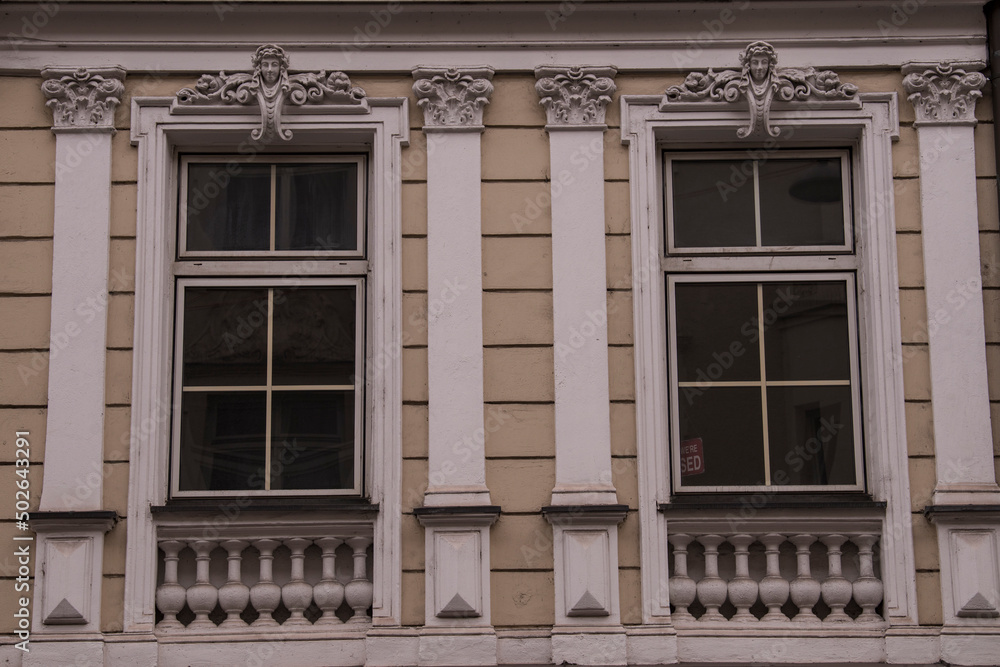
{"points": [[575, 96], [944, 93], [272, 88], [83, 99], [759, 83], [453, 97]]}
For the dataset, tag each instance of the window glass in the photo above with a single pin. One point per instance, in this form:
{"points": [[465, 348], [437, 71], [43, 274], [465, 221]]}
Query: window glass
{"points": [[282, 206], [707, 210], [801, 202], [764, 389]]}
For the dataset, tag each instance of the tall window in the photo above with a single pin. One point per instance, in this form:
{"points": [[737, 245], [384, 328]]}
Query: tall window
{"points": [[270, 322], [762, 335]]}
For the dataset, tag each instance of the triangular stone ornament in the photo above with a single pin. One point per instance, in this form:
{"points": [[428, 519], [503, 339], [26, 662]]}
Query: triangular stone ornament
{"points": [[65, 614], [588, 605], [457, 607], [978, 606]]}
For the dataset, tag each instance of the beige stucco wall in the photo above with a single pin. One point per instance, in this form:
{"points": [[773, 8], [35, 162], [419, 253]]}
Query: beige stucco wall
{"points": [[517, 315]]}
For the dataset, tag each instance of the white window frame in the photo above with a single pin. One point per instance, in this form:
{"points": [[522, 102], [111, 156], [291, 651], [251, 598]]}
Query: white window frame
{"points": [[358, 387], [868, 126], [687, 156], [162, 134], [674, 385], [363, 178]]}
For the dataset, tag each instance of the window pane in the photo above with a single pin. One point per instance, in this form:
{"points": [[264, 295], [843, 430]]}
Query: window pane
{"points": [[228, 211], [317, 207], [729, 423], [801, 202], [807, 335], [713, 203], [222, 440], [811, 437], [717, 336], [312, 436], [225, 336], [314, 335]]}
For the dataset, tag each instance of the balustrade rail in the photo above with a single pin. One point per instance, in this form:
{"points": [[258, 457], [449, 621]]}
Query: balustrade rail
{"points": [[265, 581], [829, 576]]}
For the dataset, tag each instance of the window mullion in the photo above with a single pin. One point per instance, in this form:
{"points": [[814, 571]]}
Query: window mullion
{"points": [[763, 380], [267, 416], [756, 202], [274, 203]]}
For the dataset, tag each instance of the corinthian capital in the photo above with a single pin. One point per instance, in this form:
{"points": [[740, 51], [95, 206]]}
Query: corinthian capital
{"points": [[84, 98], [944, 93], [453, 97], [575, 95]]}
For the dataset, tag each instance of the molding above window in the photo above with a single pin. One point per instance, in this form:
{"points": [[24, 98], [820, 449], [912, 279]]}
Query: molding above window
{"points": [[161, 133], [867, 125]]}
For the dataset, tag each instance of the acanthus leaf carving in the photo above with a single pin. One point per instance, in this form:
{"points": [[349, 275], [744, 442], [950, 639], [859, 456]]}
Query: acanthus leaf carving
{"points": [[761, 82], [83, 98], [271, 87], [943, 93], [453, 97], [575, 95]]}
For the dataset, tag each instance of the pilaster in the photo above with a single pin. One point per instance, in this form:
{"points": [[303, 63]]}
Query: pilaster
{"points": [[584, 512], [71, 522], [457, 513], [965, 506]]}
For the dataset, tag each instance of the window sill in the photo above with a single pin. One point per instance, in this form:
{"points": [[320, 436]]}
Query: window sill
{"points": [[360, 506], [745, 501]]}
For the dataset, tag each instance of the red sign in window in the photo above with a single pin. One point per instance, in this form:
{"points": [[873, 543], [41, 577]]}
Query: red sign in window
{"points": [[692, 457]]}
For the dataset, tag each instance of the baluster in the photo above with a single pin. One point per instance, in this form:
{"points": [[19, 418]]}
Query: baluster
{"points": [[742, 589], [867, 587], [836, 589], [681, 587], [202, 596], [359, 590], [234, 594], [297, 593], [329, 593], [170, 595], [804, 589], [773, 587], [265, 594], [712, 589]]}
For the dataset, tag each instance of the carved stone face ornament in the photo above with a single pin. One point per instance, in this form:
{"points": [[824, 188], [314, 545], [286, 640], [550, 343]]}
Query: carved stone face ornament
{"points": [[271, 87], [759, 82]]}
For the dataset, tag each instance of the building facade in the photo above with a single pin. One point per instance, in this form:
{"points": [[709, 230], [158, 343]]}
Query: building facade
{"points": [[499, 333]]}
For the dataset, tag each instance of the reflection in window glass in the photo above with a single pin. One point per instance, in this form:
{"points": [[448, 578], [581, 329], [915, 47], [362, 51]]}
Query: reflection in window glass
{"points": [[227, 211]]}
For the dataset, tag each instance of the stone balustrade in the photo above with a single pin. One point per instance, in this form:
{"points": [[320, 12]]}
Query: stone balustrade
{"points": [[264, 581], [755, 573]]}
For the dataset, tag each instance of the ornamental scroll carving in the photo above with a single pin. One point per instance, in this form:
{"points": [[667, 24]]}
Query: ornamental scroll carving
{"points": [[453, 97], [944, 92], [760, 82], [83, 98], [575, 95], [271, 87]]}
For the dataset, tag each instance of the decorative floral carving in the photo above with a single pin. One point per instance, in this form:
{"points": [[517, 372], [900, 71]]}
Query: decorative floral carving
{"points": [[271, 87], [453, 97], [575, 95], [83, 98], [760, 82], [943, 92]]}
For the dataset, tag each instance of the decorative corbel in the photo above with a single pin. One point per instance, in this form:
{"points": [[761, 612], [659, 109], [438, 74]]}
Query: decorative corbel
{"points": [[760, 82], [575, 95], [83, 99], [944, 93], [271, 87], [453, 97]]}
